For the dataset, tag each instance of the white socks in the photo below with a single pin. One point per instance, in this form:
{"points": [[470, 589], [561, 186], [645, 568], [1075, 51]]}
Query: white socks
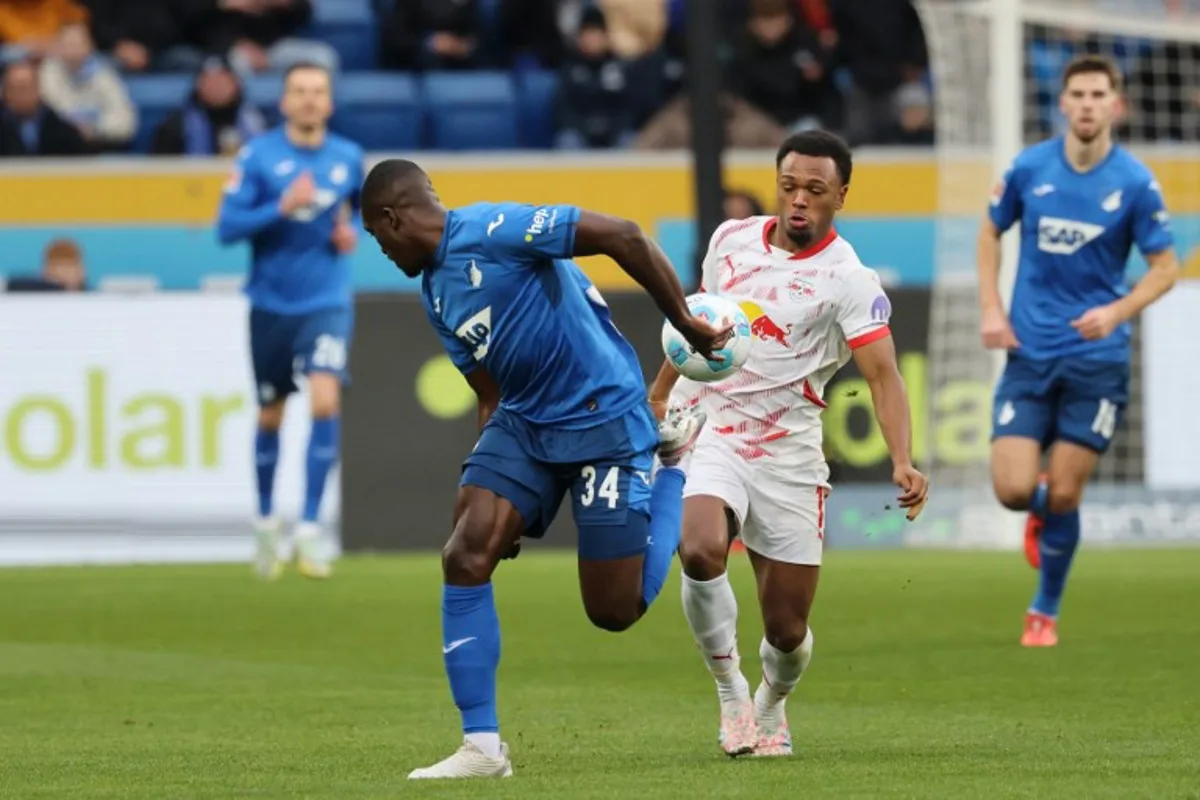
{"points": [[711, 611], [781, 673], [488, 743]]}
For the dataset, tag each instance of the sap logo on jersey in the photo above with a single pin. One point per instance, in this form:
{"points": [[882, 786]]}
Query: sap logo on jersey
{"points": [[1064, 237], [476, 332], [543, 219]]}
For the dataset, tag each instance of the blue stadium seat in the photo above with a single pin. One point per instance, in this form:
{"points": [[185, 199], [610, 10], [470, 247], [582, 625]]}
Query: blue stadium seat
{"points": [[264, 91], [350, 27], [379, 110], [155, 96], [537, 98], [472, 110]]}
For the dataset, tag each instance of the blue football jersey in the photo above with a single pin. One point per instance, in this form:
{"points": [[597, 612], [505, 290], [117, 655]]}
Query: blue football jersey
{"points": [[295, 268], [503, 294], [1077, 230]]}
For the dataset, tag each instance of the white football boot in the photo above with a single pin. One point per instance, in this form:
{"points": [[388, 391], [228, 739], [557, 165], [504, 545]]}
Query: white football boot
{"points": [[677, 434], [468, 762], [268, 534], [312, 555], [774, 735]]}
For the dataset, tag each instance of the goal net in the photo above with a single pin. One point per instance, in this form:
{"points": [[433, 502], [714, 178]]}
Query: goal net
{"points": [[996, 68]]}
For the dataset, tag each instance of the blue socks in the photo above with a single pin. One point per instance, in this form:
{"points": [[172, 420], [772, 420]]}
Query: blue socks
{"points": [[666, 526], [266, 457], [1041, 496], [1060, 538], [471, 649], [322, 455]]}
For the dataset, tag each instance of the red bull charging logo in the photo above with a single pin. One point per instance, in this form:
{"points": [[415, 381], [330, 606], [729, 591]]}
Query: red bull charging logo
{"points": [[764, 327]]}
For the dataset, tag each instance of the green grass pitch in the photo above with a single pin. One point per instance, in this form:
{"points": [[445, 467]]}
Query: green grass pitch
{"points": [[200, 682]]}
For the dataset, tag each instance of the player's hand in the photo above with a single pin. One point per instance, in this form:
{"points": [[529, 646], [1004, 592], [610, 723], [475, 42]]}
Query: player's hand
{"points": [[705, 337], [1097, 323], [997, 331], [914, 489], [344, 237], [299, 194]]}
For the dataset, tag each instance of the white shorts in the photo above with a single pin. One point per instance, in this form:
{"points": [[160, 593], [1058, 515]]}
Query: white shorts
{"points": [[779, 518]]}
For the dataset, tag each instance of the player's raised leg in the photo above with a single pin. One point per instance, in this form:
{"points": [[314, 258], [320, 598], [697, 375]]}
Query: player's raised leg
{"points": [[630, 522], [710, 607]]}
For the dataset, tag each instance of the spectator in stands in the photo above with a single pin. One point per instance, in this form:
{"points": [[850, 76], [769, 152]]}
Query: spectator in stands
{"points": [[535, 32], [86, 91], [779, 67], [432, 35], [28, 127], [29, 28], [882, 45], [914, 116], [594, 102], [62, 271], [741, 204], [143, 35], [258, 35], [636, 27], [745, 126], [216, 121]]}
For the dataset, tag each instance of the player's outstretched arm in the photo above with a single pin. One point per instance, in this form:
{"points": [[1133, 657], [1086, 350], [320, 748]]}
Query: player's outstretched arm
{"points": [[660, 390], [877, 363], [637, 254]]}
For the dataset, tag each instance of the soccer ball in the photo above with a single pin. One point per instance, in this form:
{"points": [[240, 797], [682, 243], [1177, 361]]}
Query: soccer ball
{"points": [[690, 364]]}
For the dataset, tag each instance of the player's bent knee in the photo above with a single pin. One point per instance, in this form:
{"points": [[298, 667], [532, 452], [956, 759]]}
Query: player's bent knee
{"points": [[1014, 497], [270, 417], [325, 395], [702, 559], [615, 619], [785, 635], [464, 563], [1064, 497]]}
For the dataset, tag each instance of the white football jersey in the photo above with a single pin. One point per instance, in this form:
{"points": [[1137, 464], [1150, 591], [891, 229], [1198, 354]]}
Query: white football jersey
{"points": [[807, 312]]}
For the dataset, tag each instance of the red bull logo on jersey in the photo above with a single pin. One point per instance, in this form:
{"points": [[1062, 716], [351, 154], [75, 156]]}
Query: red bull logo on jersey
{"points": [[801, 288], [765, 328], [1065, 237]]}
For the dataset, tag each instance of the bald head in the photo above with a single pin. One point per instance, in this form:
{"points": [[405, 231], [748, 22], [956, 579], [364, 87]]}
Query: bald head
{"points": [[402, 213], [392, 183]]}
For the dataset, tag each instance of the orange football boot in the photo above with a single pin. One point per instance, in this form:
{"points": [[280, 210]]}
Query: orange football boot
{"points": [[1033, 535], [1040, 630]]}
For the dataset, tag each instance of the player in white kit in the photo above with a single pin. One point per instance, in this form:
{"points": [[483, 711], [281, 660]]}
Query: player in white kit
{"points": [[758, 467]]}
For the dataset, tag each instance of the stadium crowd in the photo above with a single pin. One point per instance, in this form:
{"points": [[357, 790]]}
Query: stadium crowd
{"points": [[75, 68]]}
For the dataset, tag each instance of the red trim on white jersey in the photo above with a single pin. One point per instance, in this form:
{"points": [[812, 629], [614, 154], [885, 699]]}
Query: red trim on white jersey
{"points": [[872, 335], [808, 252], [821, 513], [811, 395]]}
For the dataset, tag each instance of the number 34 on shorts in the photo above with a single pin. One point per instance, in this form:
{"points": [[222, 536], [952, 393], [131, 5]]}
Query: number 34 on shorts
{"points": [[603, 494]]}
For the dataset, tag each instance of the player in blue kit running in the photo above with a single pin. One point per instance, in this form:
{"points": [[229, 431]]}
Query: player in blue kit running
{"points": [[562, 407], [293, 196], [1082, 202]]}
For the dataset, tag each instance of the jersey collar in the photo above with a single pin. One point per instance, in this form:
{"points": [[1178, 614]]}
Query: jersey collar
{"points": [[808, 252]]}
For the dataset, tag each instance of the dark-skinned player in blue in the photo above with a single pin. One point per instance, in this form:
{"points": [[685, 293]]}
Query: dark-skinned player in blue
{"points": [[1083, 202], [563, 409]]}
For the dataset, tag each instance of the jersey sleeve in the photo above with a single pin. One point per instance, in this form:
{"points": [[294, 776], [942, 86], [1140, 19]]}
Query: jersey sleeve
{"points": [[245, 210], [865, 311], [710, 267], [458, 351], [1005, 206], [532, 234], [1151, 221]]}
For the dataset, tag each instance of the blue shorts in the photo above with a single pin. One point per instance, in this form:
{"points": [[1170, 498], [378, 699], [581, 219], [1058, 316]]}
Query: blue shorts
{"points": [[1069, 399], [606, 469], [285, 346]]}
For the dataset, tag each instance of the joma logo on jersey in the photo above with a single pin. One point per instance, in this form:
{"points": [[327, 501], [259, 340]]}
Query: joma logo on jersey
{"points": [[1064, 237], [476, 333], [543, 218]]}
